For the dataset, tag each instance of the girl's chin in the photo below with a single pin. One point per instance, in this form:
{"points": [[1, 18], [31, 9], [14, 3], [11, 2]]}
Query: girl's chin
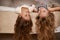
{"points": [[43, 16], [27, 19]]}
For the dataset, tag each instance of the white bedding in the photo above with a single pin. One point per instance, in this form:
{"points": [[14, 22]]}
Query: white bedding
{"points": [[57, 29]]}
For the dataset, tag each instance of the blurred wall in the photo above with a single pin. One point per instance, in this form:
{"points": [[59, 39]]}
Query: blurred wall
{"points": [[7, 22], [57, 18]]}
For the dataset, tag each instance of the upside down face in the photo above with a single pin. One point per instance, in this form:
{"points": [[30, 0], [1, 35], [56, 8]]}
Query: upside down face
{"points": [[43, 12], [25, 13]]}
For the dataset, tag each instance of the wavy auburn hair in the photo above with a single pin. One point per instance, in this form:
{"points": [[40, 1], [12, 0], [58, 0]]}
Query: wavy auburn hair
{"points": [[45, 27], [22, 29]]}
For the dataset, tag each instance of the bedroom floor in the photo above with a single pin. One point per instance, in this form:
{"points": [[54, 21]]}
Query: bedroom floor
{"points": [[4, 36]]}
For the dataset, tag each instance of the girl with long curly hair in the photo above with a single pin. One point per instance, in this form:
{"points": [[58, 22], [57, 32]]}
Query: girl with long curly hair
{"points": [[23, 25], [45, 23]]}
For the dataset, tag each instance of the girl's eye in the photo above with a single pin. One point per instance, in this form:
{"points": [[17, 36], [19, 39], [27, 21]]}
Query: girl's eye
{"points": [[44, 11]]}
